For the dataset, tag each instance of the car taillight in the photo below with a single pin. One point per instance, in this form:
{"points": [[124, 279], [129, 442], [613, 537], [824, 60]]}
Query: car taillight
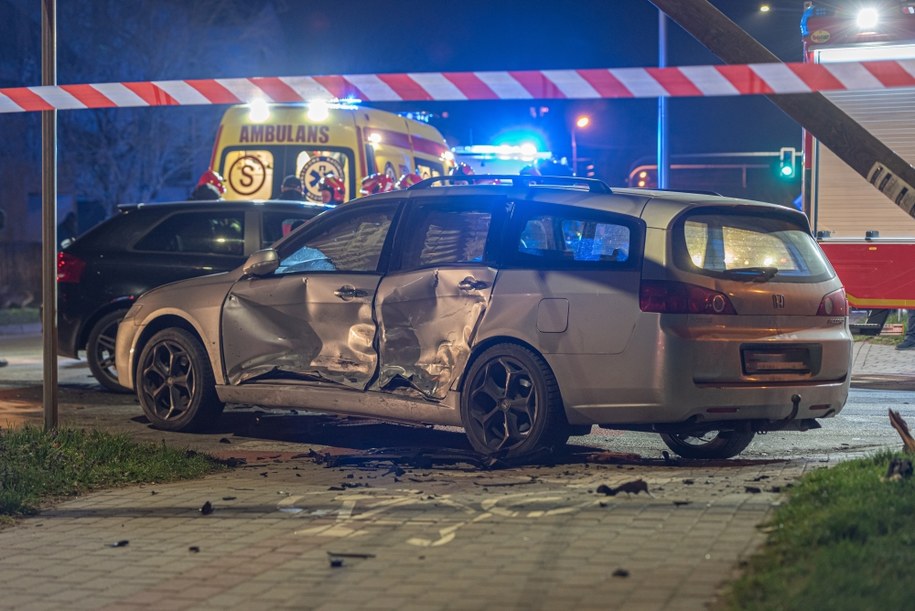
{"points": [[70, 268], [834, 304], [682, 298]]}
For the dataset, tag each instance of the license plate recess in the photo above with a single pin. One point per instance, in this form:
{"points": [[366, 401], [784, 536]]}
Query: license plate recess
{"points": [[767, 359]]}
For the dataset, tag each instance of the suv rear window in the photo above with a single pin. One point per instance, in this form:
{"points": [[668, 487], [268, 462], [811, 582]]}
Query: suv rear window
{"points": [[221, 233], [741, 246]]}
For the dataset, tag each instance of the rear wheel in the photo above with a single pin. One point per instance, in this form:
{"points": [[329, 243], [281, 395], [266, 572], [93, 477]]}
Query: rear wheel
{"points": [[175, 382], [712, 444], [510, 405], [100, 350]]}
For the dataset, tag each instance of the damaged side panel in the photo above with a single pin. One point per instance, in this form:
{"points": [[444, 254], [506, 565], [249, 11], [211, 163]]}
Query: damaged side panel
{"points": [[428, 319], [309, 326]]}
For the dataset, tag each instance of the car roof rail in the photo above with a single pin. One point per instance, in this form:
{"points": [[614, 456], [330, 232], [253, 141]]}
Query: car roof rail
{"points": [[517, 180], [693, 191]]}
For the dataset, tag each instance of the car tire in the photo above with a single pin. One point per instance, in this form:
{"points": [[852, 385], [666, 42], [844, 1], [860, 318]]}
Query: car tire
{"points": [[714, 444], [510, 404], [100, 351], [175, 383]]}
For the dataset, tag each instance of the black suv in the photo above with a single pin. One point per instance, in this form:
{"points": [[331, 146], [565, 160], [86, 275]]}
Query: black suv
{"points": [[101, 273]]}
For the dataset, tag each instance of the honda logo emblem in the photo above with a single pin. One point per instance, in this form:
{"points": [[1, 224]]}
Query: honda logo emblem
{"points": [[778, 301]]}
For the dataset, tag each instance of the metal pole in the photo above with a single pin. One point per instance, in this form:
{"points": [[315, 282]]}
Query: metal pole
{"points": [[663, 150], [49, 216], [574, 153]]}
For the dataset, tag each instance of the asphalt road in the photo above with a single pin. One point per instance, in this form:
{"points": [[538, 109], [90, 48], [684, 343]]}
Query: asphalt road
{"points": [[861, 427]]}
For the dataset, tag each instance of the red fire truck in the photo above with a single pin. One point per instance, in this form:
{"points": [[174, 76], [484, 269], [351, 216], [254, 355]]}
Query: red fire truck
{"points": [[869, 240]]}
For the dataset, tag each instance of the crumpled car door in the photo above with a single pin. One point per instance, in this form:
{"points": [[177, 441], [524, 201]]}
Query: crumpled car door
{"points": [[312, 317], [311, 326], [429, 306], [429, 319]]}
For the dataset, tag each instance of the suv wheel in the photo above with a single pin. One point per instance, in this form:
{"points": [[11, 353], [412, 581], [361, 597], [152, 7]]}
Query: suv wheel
{"points": [[713, 444], [510, 404], [175, 382], [100, 350]]}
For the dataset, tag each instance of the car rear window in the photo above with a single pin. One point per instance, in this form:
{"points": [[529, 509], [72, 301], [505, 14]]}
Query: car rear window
{"points": [[570, 237], [749, 246], [574, 239]]}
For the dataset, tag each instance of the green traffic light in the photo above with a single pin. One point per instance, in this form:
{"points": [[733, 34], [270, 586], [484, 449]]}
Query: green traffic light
{"points": [[785, 168]]}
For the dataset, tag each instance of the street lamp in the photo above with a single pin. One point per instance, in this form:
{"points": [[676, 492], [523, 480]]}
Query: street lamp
{"points": [[580, 123]]}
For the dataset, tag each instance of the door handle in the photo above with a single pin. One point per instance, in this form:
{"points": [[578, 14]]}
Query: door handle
{"points": [[472, 284], [347, 292]]}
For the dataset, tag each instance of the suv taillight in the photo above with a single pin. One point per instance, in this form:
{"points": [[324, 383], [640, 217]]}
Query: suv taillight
{"points": [[681, 298], [70, 268], [834, 304]]}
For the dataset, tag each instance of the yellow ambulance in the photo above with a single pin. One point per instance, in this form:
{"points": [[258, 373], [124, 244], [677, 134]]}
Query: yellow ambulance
{"points": [[258, 145]]}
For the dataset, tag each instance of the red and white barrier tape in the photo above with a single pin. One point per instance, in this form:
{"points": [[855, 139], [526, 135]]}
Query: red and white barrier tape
{"points": [[683, 81]]}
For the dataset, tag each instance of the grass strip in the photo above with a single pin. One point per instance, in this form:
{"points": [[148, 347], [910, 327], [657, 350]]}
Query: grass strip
{"points": [[38, 467], [19, 316], [844, 540]]}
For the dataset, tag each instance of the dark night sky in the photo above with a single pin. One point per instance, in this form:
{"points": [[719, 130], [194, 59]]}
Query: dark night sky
{"points": [[481, 35], [356, 36]]}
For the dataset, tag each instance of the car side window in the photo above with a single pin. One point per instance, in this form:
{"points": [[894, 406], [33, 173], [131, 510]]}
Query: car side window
{"points": [[221, 233], [441, 235], [350, 243], [572, 237]]}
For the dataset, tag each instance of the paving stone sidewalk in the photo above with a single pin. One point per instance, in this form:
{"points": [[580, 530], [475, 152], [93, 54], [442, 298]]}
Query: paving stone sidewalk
{"points": [[871, 359], [527, 538]]}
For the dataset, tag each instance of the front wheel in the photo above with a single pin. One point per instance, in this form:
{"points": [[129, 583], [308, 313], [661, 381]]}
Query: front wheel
{"points": [[510, 404], [175, 382], [100, 350], [712, 444]]}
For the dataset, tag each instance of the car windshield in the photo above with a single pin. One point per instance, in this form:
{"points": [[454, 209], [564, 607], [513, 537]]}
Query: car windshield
{"points": [[750, 248]]}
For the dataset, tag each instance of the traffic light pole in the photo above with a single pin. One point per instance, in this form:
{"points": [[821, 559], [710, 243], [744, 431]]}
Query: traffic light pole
{"points": [[877, 163], [663, 124]]}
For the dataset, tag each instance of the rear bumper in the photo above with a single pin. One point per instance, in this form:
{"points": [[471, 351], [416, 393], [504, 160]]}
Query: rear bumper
{"points": [[665, 376], [757, 403]]}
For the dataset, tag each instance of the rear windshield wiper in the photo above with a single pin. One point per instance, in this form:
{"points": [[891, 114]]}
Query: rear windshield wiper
{"points": [[754, 274]]}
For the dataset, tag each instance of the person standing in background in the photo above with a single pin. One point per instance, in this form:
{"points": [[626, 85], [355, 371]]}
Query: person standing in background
{"points": [[908, 341], [292, 188]]}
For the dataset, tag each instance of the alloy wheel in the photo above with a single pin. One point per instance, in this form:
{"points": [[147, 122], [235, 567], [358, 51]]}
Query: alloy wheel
{"points": [[168, 379], [503, 403]]}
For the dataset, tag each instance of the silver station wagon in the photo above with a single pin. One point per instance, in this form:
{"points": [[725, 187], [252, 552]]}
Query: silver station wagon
{"points": [[525, 310]]}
